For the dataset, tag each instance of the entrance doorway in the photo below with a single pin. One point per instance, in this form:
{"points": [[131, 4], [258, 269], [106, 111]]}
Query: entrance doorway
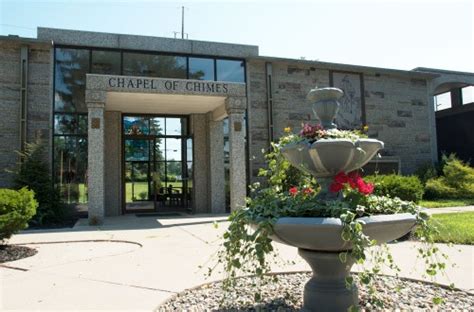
{"points": [[157, 164]]}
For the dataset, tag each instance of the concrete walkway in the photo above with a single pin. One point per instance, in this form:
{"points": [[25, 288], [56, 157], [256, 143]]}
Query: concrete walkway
{"points": [[451, 209], [133, 263]]}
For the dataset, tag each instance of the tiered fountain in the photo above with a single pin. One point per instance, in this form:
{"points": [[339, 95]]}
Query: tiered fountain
{"points": [[319, 240]]}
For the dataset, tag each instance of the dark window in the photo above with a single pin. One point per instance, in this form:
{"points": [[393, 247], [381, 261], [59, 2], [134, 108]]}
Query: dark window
{"points": [[232, 71], [70, 124], [71, 66], [149, 65], [201, 68], [105, 62]]}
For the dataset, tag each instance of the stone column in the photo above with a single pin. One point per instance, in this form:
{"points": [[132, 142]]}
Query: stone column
{"points": [[96, 192], [216, 165], [200, 163], [235, 107]]}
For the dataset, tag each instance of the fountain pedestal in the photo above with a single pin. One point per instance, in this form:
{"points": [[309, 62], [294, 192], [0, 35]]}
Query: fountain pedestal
{"points": [[319, 240], [326, 290]]}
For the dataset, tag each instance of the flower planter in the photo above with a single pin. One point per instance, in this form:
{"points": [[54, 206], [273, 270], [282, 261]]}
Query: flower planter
{"points": [[319, 242], [326, 158], [332, 156]]}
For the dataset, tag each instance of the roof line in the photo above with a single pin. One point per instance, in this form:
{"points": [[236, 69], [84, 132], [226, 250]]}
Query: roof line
{"points": [[350, 67]]}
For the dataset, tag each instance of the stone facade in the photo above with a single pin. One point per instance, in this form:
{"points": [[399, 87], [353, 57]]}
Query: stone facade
{"points": [[397, 106], [39, 100], [395, 103]]}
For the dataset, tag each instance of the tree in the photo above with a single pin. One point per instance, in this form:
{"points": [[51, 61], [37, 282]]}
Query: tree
{"points": [[33, 172]]}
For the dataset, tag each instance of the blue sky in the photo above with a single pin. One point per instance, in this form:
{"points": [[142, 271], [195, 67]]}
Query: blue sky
{"points": [[395, 34]]}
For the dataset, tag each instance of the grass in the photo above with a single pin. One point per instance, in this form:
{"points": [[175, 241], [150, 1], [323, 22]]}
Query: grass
{"points": [[142, 188], [440, 203], [457, 228]]}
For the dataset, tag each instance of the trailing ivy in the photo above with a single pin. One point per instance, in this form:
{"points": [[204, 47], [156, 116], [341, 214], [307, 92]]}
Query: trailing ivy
{"points": [[247, 248]]}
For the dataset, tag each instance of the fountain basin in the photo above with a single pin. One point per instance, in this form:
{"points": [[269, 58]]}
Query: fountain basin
{"points": [[324, 234], [327, 157]]}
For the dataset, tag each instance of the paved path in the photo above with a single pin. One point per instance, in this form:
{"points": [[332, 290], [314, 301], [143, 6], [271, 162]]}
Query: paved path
{"points": [[110, 273], [451, 209]]}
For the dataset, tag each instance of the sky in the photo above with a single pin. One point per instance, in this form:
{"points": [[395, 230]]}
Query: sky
{"points": [[392, 34]]}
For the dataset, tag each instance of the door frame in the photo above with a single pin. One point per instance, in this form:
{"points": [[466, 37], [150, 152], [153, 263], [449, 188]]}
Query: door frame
{"points": [[184, 138]]}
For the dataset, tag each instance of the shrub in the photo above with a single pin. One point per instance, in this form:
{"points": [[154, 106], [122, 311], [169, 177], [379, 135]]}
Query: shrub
{"points": [[16, 209], [438, 189], [458, 174], [404, 187], [426, 172], [457, 180], [34, 173]]}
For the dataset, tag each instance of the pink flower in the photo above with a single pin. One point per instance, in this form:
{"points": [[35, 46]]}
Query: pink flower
{"points": [[308, 191], [312, 131]]}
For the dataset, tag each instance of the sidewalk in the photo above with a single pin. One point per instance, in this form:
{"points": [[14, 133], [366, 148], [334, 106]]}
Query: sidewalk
{"points": [[111, 275], [451, 209]]}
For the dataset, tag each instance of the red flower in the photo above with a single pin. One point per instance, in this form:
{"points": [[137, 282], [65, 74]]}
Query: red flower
{"points": [[354, 180], [336, 187], [308, 191], [293, 191], [366, 188], [341, 178], [359, 184]]}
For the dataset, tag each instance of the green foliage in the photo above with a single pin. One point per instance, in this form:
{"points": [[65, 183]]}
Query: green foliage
{"points": [[426, 172], [34, 173], [457, 180], [454, 228], [404, 187], [441, 203], [280, 173], [247, 245], [16, 209], [457, 173]]}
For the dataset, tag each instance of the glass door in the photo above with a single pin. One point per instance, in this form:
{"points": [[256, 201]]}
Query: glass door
{"points": [[158, 164], [138, 174]]}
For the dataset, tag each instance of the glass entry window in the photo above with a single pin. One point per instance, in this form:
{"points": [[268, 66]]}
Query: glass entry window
{"points": [[157, 163]]}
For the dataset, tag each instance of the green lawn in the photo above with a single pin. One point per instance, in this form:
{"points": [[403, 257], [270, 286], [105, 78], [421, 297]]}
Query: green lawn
{"points": [[138, 187], [142, 188], [440, 203], [457, 228]]}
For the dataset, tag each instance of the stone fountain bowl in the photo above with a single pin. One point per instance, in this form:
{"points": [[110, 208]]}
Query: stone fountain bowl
{"points": [[326, 158], [324, 234]]}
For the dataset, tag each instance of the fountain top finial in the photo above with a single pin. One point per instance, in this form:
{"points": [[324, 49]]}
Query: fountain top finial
{"points": [[324, 94], [325, 105]]}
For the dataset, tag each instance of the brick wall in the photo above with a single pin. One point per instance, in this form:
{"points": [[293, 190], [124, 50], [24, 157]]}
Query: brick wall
{"points": [[39, 101], [396, 109]]}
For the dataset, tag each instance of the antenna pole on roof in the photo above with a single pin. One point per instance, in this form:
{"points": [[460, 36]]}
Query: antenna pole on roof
{"points": [[182, 22]]}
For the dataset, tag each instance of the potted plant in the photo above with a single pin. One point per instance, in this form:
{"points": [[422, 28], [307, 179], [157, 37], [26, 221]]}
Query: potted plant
{"points": [[316, 201]]}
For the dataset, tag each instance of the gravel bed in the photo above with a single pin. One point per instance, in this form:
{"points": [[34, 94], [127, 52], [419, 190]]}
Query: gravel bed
{"points": [[286, 295], [15, 252]]}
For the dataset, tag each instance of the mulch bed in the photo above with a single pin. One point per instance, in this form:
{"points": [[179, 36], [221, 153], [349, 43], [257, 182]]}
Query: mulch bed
{"points": [[15, 252]]}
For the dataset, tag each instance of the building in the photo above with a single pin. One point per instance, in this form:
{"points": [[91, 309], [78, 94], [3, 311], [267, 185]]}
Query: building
{"points": [[137, 124]]}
